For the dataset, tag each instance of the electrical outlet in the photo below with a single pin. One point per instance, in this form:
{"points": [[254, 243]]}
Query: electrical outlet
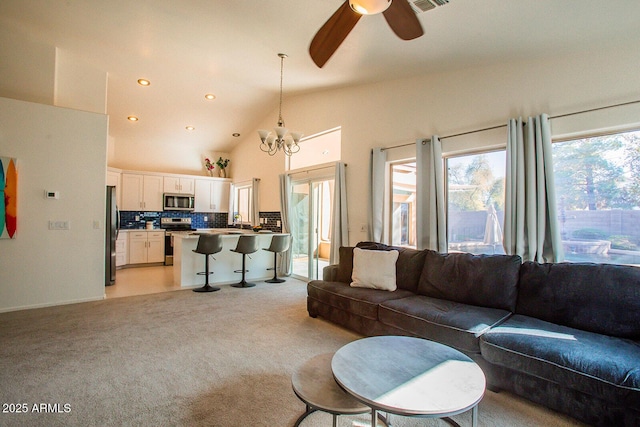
{"points": [[205, 219], [278, 223]]}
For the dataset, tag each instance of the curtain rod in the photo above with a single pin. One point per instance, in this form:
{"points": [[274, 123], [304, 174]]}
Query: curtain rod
{"points": [[397, 146], [333, 165], [622, 104]]}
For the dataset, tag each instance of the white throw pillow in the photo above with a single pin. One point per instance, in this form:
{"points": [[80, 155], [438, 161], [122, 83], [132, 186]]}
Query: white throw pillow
{"points": [[374, 269]]}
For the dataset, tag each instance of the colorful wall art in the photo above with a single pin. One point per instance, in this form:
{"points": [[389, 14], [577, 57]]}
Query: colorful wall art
{"points": [[8, 197]]}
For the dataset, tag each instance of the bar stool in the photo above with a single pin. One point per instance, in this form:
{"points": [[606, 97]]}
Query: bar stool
{"points": [[279, 244], [208, 244], [247, 244]]}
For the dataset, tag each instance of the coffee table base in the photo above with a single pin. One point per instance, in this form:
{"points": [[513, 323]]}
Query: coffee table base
{"points": [[387, 420], [311, 410]]}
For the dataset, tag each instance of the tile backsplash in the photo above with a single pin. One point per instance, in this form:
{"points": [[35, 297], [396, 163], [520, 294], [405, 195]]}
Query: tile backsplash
{"points": [[270, 221], [137, 220]]}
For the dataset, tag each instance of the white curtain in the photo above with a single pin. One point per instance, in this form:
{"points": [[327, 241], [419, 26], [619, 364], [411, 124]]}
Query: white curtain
{"points": [[286, 260], [531, 224], [255, 201], [339, 220], [377, 184], [431, 223], [232, 196]]}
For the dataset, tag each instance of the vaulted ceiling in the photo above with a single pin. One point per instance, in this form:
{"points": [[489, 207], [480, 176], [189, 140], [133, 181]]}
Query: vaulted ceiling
{"points": [[229, 48]]}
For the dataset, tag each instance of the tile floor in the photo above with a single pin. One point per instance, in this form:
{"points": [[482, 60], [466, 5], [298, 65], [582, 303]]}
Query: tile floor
{"points": [[141, 281]]}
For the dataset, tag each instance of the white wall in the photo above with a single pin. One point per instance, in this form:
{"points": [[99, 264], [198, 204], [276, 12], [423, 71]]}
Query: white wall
{"points": [[27, 66], [61, 150], [397, 112]]}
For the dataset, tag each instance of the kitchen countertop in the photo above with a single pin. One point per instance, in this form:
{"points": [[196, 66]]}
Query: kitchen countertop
{"points": [[223, 231]]}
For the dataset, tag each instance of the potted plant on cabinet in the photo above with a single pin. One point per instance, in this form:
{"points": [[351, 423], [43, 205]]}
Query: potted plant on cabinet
{"points": [[222, 167], [208, 164]]}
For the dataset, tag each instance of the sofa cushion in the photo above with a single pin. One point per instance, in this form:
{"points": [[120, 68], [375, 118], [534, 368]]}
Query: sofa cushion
{"points": [[345, 267], [358, 301], [601, 298], [408, 267], [594, 364], [450, 323], [482, 280], [374, 269], [345, 253]]}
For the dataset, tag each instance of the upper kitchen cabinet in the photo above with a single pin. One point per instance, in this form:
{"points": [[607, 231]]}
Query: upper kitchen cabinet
{"points": [[212, 195], [178, 185], [114, 178], [142, 192]]}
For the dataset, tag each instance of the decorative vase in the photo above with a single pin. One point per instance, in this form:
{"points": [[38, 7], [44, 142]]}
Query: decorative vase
{"points": [[210, 172], [222, 173]]}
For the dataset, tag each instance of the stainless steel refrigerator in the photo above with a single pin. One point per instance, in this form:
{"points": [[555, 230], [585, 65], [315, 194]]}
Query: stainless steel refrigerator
{"points": [[111, 225]]}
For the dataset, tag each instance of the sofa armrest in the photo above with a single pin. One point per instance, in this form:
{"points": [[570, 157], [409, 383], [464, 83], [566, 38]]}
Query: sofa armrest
{"points": [[330, 273]]}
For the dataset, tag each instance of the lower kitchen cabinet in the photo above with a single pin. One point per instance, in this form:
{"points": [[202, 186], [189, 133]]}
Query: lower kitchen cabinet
{"points": [[146, 246], [122, 244]]}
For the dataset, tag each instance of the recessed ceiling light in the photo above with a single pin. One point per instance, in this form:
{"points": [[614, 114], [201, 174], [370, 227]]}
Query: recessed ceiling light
{"points": [[132, 118], [190, 128], [144, 82], [235, 135], [210, 96]]}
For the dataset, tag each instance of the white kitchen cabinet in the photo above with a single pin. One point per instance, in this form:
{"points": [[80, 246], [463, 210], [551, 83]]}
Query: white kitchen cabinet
{"points": [[212, 195], [114, 179], [142, 192], [178, 185], [122, 246], [146, 246]]}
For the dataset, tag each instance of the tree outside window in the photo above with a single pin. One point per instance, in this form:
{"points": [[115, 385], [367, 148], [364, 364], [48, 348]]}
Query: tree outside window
{"points": [[598, 196]]}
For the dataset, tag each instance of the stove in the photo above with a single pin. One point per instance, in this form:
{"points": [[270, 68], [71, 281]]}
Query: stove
{"points": [[173, 226], [176, 224]]}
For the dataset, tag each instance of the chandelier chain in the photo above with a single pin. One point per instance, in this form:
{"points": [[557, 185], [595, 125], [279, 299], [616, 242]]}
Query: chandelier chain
{"points": [[280, 121]]}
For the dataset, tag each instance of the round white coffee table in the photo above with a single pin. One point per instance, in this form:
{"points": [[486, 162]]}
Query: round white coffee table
{"points": [[314, 385], [410, 377]]}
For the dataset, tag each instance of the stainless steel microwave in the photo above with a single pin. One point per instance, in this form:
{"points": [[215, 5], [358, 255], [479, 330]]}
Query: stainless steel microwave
{"points": [[178, 202]]}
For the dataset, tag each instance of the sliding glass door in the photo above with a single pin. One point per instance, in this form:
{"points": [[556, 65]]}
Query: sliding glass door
{"points": [[311, 226]]}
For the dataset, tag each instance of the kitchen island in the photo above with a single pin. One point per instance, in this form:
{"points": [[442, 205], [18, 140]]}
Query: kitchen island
{"points": [[186, 263]]}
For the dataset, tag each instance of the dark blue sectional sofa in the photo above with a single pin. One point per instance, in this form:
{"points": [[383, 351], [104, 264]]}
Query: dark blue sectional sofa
{"points": [[564, 335]]}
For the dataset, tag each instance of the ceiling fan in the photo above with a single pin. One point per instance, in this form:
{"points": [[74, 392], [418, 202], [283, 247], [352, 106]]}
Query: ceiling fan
{"points": [[399, 15]]}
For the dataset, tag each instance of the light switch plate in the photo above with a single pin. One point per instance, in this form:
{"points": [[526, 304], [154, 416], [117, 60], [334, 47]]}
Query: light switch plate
{"points": [[59, 225]]}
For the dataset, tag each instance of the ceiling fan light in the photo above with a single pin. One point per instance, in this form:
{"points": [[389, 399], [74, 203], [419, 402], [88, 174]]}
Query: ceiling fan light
{"points": [[369, 7]]}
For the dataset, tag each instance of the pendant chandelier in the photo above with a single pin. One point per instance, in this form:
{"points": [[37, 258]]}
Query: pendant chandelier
{"points": [[283, 139]]}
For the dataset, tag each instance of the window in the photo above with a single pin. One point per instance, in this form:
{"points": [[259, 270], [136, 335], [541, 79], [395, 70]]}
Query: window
{"points": [[317, 149], [403, 204], [598, 197], [242, 204], [475, 202]]}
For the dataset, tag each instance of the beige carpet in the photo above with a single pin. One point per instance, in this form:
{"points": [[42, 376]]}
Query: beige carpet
{"points": [[185, 359]]}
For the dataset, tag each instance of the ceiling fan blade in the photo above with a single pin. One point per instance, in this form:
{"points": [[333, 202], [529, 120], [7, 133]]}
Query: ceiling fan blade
{"points": [[403, 20], [332, 34]]}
